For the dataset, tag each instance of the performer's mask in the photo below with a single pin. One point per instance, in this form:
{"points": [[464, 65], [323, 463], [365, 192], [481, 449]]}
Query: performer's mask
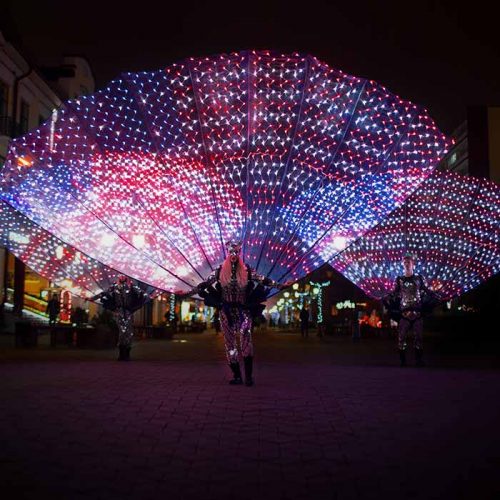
{"points": [[233, 249]]}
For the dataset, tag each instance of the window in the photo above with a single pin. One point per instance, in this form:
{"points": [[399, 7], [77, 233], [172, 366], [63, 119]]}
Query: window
{"points": [[5, 123], [24, 118], [4, 99], [452, 160]]}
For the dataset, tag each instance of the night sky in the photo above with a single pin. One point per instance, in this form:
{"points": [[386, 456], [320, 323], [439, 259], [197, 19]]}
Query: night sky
{"points": [[442, 55]]}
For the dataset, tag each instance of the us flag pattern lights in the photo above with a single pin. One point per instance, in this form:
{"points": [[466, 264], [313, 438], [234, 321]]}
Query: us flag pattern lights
{"points": [[151, 175]]}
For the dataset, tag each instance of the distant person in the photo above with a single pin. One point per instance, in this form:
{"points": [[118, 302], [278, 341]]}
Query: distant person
{"points": [[175, 322], [216, 321], [172, 322], [53, 309], [304, 322], [374, 319], [373, 323]]}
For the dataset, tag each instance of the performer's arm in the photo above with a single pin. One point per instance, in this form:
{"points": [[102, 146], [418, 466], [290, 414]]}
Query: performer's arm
{"points": [[201, 286], [263, 280], [396, 292], [153, 295], [145, 295], [209, 281], [431, 297], [96, 297], [424, 287], [102, 294]]}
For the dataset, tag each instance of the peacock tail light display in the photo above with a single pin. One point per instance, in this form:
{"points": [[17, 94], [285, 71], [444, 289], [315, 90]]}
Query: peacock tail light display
{"points": [[150, 176]]}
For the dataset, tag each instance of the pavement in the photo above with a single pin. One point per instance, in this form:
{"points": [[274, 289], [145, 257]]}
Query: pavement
{"points": [[326, 419]]}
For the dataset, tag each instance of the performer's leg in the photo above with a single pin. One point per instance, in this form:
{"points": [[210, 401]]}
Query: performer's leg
{"points": [[120, 323], [418, 327], [229, 324], [125, 335], [247, 346], [403, 328]]}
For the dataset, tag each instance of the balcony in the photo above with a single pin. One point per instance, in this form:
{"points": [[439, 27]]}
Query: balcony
{"points": [[10, 129]]}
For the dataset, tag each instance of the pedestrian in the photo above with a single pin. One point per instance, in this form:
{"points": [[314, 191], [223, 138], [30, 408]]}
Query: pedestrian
{"points": [[53, 309], [216, 321], [304, 321]]}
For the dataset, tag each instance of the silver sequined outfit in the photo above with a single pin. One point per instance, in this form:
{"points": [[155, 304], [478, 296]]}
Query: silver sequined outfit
{"points": [[122, 295], [409, 290], [124, 317], [235, 317]]}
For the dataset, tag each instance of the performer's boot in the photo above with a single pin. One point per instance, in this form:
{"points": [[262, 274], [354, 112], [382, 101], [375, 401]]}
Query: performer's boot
{"points": [[121, 355], [127, 353], [402, 357], [248, 360], [235, 368], [419, 357]]}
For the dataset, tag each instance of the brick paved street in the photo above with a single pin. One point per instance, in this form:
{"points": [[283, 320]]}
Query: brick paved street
{"points": [[326, 420]]}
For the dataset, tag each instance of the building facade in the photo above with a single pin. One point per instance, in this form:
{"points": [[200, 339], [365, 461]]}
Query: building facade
{"points": [[477, 146], [28, 96]]}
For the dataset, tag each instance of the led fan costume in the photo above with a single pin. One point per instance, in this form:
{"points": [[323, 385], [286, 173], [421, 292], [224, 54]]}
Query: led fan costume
{"points": [[53, 258], [152, 174], [238, 292], [123, 299], [451, 224]]}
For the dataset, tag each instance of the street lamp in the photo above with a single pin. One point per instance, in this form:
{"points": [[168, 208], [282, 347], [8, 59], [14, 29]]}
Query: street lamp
{"points": [[318, 292]]}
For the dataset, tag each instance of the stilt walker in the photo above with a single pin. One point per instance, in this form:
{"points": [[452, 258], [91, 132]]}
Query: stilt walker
{"points": [[238, 292], [407, 303], [123, 299]]}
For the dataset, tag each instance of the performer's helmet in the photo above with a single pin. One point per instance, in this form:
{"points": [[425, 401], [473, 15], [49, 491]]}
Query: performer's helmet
{"points": [[233, 247]]}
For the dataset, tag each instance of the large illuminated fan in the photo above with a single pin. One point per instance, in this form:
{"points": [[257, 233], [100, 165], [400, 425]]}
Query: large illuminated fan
{"points": [[451, 223], [151, 175]]}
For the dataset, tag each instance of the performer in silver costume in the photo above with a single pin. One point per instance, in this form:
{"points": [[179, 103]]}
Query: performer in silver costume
{"points": [[238, 292], [123, 298], [409, 297]]}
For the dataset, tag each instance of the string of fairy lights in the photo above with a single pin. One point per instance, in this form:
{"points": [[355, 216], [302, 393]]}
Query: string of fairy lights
{"points": [[319, 297], [151, 175]]}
